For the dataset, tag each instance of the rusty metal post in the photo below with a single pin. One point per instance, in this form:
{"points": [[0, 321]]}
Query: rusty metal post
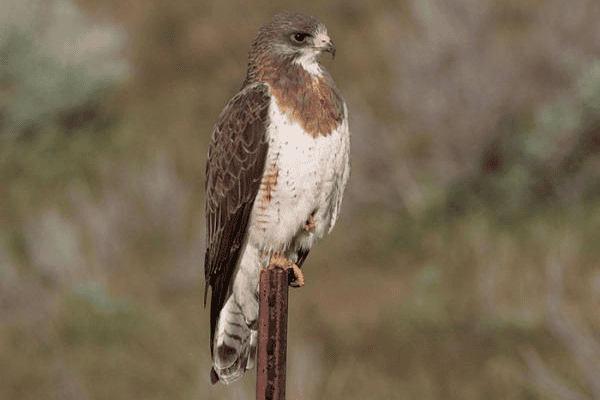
{"points": [[272, 334]]}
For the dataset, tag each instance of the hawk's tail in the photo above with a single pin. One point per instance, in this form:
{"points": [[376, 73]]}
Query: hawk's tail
{"points": [[234, 344]]}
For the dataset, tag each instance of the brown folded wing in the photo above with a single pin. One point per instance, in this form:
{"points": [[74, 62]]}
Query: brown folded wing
{"points": [[235, 166]]}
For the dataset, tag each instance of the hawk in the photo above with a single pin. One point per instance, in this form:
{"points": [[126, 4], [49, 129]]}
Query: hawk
{"points": [[278, 163]]}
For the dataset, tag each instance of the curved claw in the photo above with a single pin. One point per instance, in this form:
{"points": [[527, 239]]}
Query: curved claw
{"points": [[296, 277], [310, 225]]}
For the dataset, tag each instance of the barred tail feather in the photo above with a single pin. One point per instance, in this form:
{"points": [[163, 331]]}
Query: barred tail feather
{"points": [[234, 343]]}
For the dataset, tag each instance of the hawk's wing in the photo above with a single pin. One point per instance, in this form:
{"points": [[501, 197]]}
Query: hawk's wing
{"points": [[234, 170]]}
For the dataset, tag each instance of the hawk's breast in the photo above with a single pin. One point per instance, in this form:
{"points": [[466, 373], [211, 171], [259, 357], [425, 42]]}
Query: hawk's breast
{"points": [[304, 175]]}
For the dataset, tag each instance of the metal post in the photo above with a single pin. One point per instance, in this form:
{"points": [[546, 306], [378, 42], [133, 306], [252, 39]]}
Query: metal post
{"points": [[272, 334]]}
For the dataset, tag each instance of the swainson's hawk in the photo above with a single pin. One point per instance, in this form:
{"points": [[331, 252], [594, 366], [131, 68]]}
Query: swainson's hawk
{"points": [[278, 163]]}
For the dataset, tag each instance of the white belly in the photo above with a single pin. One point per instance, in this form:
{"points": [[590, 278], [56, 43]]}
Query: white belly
{"points": [[311, 177], [311, 174]]}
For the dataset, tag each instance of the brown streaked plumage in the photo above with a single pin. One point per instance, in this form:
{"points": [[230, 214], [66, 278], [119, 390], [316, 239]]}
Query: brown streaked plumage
{"points": [[236, 159], [318, 110], [314, 102], [278, 163], [268, 184]]}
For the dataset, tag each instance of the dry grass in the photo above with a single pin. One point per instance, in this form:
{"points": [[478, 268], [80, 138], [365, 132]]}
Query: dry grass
{"points": [[465, 262]]}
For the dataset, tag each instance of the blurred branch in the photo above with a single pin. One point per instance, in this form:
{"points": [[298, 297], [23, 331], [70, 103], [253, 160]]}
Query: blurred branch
{"points": [[541, 376], [578, 340], [68, 386]]}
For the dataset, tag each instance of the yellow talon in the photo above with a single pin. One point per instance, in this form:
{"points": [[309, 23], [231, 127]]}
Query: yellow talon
{"points": [[279, 261], [311, 224]]}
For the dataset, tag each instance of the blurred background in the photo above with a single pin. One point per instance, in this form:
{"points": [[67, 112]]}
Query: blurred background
{"points": [[465, 263]]}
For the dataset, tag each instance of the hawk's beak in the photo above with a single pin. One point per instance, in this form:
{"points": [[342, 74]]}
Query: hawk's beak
{"points": [[330, 48], [325, 44]]}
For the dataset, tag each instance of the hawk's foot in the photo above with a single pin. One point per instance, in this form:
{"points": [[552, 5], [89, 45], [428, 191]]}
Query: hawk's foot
{"points": [[310, 225], [278, 260]]}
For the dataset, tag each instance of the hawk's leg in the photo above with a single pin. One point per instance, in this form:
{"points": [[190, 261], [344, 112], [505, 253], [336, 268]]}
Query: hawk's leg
{"points": [[278, 260], [311, 224]]}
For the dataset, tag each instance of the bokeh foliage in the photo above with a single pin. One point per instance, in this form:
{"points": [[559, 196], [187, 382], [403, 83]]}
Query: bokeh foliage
{"points": [[465, 262]]}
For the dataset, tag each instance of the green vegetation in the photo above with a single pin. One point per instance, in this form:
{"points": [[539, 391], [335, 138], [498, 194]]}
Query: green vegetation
{"points": [[465, 263]]}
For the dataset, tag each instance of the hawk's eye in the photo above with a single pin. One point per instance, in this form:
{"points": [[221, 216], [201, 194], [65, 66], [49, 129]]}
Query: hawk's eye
{"points": [[300, 37]]}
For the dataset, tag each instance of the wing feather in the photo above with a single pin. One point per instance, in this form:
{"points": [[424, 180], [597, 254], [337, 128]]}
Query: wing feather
{"points": [[234, 170]]}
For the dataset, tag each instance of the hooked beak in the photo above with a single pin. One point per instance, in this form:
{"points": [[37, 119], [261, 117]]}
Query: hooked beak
{"points": [[325, 44], [330, 48]]}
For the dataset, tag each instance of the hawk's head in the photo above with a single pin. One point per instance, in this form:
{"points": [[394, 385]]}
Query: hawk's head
{"points": [[293, 36]]}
